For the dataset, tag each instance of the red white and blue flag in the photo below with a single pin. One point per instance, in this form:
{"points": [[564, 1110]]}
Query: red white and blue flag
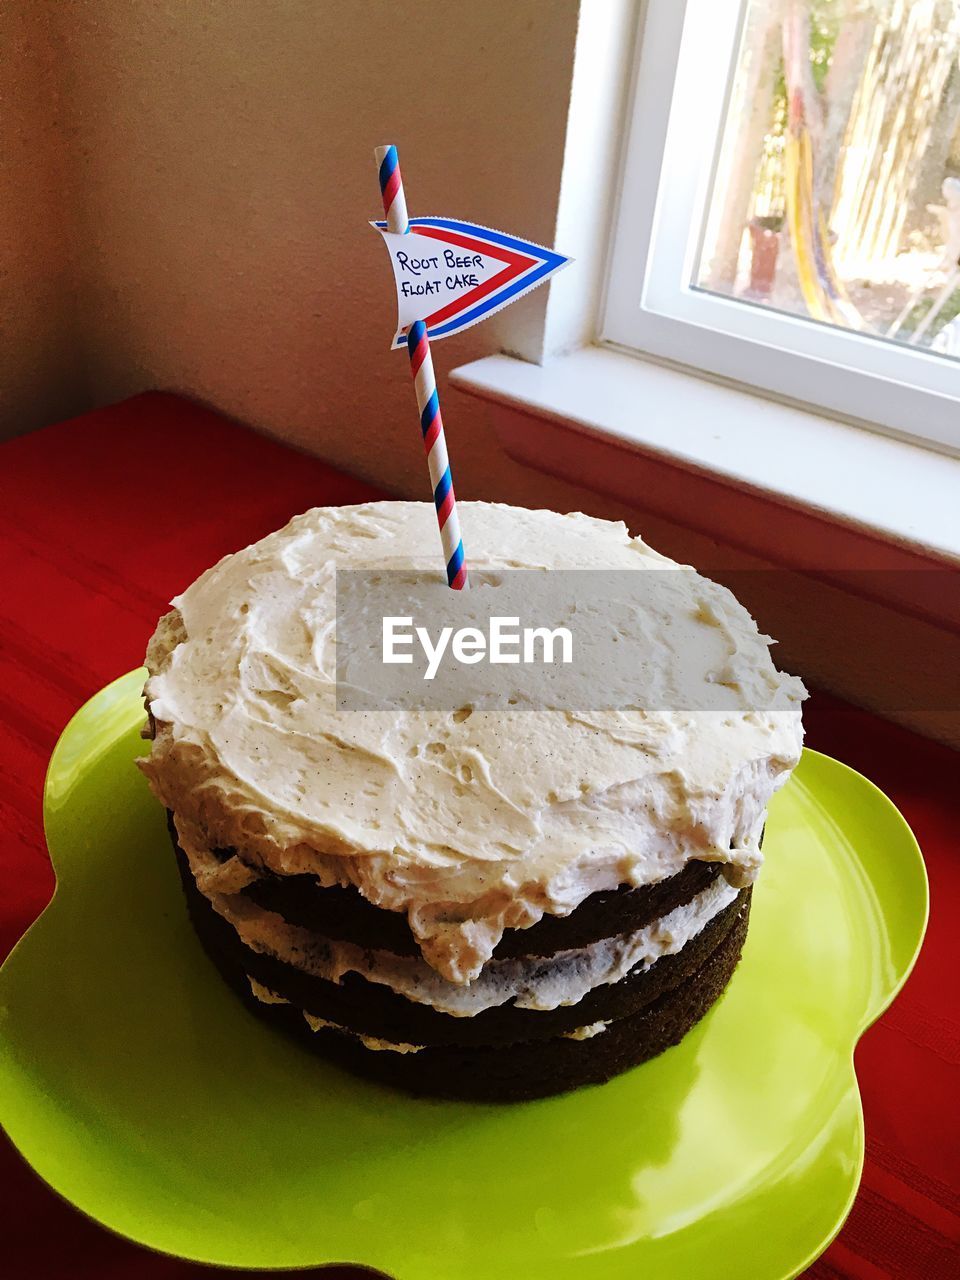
{"points": [[452, 274]]}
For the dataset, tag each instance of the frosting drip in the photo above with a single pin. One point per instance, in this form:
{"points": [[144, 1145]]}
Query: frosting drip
{"points": [[266, 996], [536, 983], [469, 823]]}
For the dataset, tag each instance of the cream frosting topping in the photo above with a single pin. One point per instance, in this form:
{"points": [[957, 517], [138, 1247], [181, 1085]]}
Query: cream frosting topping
{"points": [[379, 1045], [589, 1032], [470, 822], [266, 996]]}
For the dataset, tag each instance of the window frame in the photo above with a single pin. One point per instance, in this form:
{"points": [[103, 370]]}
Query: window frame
{"points": [[656, 241]]}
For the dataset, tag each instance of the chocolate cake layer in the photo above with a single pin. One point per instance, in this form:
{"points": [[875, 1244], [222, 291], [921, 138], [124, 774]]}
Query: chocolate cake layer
{"points": [[372, 1009], [524, 1070], [345, 915]]}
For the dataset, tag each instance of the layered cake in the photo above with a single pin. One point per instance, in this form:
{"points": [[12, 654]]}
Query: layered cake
{"points": [[492, 901]]}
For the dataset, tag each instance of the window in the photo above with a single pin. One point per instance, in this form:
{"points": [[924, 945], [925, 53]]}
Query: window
{"points": [[790, 210]]}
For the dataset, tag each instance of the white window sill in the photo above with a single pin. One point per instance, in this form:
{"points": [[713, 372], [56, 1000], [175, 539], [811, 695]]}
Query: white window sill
{"points": [[789, 486]]}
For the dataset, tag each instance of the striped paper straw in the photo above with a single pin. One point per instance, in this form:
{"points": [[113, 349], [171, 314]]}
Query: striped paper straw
{"points": [[425, 382]]}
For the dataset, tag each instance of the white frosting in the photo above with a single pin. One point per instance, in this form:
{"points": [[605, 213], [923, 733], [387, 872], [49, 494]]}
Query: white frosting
{"points": [[538, 983], [266, 996], [589, 1032], [368, 1042], [469, 824]]}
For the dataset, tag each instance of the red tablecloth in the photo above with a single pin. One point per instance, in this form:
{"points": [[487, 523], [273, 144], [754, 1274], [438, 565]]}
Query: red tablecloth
{"points": [[104, 518]]}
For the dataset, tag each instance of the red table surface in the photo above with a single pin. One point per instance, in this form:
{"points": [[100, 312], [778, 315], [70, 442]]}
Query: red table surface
{"points": [[104, 518]]}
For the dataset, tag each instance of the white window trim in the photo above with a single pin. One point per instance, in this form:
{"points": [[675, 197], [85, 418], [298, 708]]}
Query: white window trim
{"points": [[790, 486], [656, 242]]}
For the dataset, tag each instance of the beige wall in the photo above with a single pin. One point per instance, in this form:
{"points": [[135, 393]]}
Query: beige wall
{"points": [[41, 377], [217, 157], [224, 156], [196, 174], [206, 172]]}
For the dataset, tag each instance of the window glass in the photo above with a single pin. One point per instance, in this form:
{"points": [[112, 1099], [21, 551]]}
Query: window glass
{"points": [[837, 191]]}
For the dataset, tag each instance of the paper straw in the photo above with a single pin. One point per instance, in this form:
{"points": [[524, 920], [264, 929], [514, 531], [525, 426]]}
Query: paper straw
{"points": [[425, 382]]}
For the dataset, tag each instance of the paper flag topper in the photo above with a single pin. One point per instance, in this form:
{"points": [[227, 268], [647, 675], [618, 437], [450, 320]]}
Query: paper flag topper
{"points": [[454, 274]]}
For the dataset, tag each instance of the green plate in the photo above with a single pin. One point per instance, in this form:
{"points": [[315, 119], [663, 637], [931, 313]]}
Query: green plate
{"points": [[142, 1091]]}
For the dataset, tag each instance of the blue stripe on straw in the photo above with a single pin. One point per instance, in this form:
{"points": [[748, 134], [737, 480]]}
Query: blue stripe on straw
{"points": [[455, 563], [430, 411], [387, 165], [414, 334], [444, 485]]}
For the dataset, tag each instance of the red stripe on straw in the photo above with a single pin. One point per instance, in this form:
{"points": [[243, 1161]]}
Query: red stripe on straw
{"points": [[419, 354], [391, 189], [445, 507], [434, 429], [459, 579]]}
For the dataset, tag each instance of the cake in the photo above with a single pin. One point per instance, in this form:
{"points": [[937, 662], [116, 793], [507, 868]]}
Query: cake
{"points": [[492, 902]]}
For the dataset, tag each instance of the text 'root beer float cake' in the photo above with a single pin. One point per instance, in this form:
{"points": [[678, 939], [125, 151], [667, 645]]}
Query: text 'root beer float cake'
{"points": [[500, 902]]}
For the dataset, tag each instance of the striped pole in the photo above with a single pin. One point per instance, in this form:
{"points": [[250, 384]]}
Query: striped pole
{"points": [[425, 382]]}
